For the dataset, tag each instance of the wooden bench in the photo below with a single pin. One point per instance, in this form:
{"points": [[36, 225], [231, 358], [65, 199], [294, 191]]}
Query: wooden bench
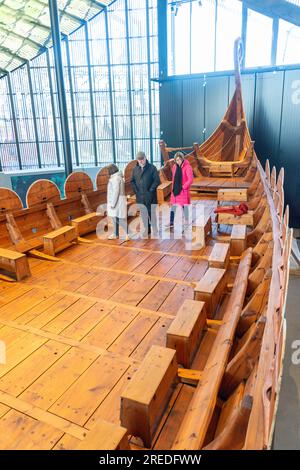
{"points": [[230, 219], [59, 239], [236, 194], [210, 288], [220, 256], [146, 396], [105, 436], [14, 262], [194, 427], [202, 227], [184, 333], [163, 192], [238, 240]]}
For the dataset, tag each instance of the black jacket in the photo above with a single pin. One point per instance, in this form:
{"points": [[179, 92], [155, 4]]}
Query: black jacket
{"points": [[144, 183]]}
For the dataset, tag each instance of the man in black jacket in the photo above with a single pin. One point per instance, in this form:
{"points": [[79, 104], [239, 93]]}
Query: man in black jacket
{"points": [[144, 181]]}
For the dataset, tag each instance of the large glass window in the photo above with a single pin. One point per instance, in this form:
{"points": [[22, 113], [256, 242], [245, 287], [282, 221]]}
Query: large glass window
{"points": [[259, 39], [113, 105], [229, 27], [191, 36], [288, 50]]}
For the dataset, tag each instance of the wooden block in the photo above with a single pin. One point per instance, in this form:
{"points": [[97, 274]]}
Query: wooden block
{"points": [[201, 228], [238, 242], [86, 223], [146, 396], [210, 289], [15, 263], [163, 191], [105, 436], [220, 256], [230, 219], [235, 194], [59, 240], [184, 333]]}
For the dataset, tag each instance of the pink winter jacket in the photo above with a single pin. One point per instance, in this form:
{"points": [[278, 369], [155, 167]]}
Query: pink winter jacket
{"points": [[187, 179]]}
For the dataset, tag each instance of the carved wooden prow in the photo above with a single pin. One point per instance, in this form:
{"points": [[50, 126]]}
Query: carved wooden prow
{"points": [[238, 56], [53, 217]]}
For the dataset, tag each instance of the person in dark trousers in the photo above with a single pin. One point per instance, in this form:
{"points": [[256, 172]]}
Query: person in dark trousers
{"points": [[144, 181]]}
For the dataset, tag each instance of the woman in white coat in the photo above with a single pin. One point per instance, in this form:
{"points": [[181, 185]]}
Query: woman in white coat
{"points": [[116, 202]]}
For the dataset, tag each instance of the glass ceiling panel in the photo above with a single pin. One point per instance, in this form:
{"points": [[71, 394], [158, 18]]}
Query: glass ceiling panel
{"points": [[25, 26]]}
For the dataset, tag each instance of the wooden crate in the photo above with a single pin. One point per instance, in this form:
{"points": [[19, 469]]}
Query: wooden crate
{"points": [[210, 289], [14, 262], [220, 256], [146, 396], [59, 240], [184, 333]]}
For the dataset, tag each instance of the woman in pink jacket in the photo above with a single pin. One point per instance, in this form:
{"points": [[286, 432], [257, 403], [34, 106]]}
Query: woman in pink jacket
{"points": [[182, 178]]}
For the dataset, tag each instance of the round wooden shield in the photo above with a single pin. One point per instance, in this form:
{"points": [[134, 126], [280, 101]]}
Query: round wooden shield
{"points": [[9, 200], [42, 191], [78, 182]]}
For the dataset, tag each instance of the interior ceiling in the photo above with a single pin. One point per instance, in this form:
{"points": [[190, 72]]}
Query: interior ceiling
{"points": [[287, 10], [25, 26]]}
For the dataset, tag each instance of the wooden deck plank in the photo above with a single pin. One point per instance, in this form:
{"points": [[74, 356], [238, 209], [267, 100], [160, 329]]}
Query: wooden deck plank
{"points": [[133, 334], [68, 316], [21, 377], [87, 321], [134, 290], [85, 395], [156, 296], [15, 429], [177, 296], [106, 332], [156, 336], [52, 312], [58, 378]]}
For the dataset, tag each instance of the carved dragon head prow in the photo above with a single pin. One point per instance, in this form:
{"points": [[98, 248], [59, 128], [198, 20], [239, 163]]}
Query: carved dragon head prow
{"points": [[238, 57]]}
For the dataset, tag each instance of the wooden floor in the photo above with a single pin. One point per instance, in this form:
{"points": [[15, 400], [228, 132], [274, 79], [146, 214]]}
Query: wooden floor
{"points": [[77, 330]]}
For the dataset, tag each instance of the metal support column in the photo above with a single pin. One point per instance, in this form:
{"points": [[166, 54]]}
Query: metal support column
{"points": [[53, 108], [14, 121], [162, 6], [56, 38], [72, 101], [88, 57], [129, 79], [149, 80], [36, 135], [113, 134]]}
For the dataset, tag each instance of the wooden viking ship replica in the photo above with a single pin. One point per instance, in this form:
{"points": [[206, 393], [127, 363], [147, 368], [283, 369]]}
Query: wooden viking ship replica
{"points": [[145, 344]]}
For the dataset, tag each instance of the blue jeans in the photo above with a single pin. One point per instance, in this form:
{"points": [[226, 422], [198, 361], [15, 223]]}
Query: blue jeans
{"points": [[173, 210], [117, 222]]}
